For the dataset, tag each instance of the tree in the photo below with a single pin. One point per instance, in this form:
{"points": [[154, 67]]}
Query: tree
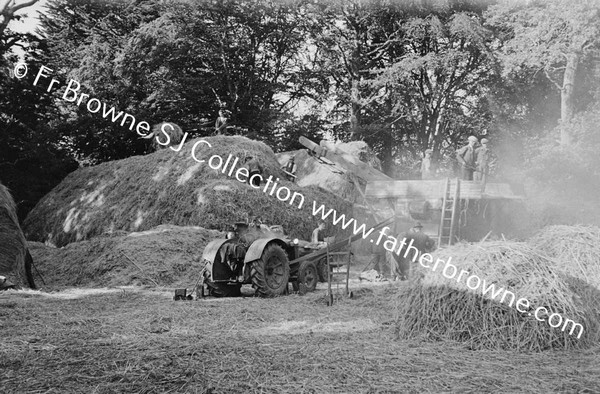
{"points": [[32, 157], [180, 62], [83, 40], [408, 76], [347, 52], [438, 84], [552, 37]]}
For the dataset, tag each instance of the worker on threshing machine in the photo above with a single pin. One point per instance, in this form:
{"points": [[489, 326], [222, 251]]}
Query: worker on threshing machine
{"points": [[466, 157], [482, 161], [426, 169]]}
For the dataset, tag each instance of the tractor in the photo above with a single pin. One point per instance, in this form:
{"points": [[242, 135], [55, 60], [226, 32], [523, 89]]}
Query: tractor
{"points": [[262, 256]]}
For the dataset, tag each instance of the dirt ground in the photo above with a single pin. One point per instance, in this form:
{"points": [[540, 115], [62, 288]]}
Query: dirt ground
{"points": [[138, 340]]}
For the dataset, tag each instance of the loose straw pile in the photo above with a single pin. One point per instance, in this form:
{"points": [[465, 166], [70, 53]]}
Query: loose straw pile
{"points": [[435, 307], [575, 250]]}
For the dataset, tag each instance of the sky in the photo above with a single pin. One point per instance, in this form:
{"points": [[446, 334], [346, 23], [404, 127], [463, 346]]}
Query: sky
{"points": [[28, 24]]}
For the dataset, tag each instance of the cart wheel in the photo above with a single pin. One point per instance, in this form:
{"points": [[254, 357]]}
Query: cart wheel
{"points": [[330, 300]]}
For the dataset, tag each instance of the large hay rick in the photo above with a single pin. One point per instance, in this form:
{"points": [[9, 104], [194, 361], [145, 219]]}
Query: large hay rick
{"points": [[15, 260]]}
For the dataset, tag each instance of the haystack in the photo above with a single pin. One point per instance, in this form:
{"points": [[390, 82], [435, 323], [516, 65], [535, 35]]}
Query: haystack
{"points": [[163, 256], [574, 250], [15, 260], [167, 187], [435, 307]]}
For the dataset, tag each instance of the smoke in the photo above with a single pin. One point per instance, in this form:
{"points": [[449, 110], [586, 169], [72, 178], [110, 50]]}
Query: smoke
{"points": [[562, 183]]}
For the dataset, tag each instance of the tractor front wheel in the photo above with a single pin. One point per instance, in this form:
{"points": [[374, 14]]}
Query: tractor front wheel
{"points": [[322, 270], [307, 277], [270, 274]]}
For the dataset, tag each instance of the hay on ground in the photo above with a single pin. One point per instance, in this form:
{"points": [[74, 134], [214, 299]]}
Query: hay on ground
{"points": [[163, 256], [167, 187], [435, 307], [574, 249]]}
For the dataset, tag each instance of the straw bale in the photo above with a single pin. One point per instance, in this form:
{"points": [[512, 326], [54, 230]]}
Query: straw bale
{"points": [[167, 187], [574, 250], [435, 307]]}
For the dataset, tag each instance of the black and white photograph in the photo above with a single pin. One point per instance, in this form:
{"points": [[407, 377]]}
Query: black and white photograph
{"points": [[300, 196]]}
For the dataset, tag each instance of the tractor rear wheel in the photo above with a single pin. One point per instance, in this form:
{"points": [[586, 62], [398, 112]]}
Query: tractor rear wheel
{"points": [[270, 273], [307, 277]]}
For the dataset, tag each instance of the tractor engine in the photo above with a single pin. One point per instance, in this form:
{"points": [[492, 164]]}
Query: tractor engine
{"points": [[255, 254], [232, 255]]}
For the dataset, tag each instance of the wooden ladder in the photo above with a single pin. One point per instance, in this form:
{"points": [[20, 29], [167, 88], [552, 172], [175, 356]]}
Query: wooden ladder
{"points": [[447, 233], [341, 259]]}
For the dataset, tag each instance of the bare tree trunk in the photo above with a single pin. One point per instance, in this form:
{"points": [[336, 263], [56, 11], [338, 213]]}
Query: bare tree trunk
{"points": [[387, 153], [354, 110], [566, 98]]}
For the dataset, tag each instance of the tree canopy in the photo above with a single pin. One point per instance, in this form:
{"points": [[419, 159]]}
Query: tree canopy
{"points": [[553, 37], [403, 76]]}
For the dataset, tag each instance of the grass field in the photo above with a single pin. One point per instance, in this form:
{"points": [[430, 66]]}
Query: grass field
{"points": [[137, 340]]}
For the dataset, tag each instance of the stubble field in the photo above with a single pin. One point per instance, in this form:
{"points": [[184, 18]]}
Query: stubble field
{"points": [[139, 340]]}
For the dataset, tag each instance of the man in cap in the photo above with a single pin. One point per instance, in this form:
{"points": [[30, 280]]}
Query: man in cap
{"points": [[420, 240], [416, 243], [466, 157], [426, 170], [482, 161]]}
